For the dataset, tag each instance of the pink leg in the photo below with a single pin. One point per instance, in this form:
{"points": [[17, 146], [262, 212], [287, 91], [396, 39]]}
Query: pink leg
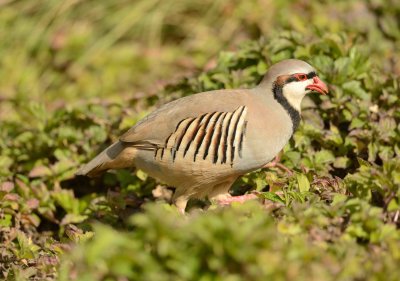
{"points": [[275, 163], [241, 199]]}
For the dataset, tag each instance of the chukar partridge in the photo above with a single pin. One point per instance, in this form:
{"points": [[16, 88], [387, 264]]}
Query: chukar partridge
{"points": [[200, 144]]}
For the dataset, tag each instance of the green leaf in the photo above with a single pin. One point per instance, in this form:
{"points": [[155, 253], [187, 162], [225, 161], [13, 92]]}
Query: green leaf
{"points": [[354, 88], [339, 199], [356, 123], [341, 162], [5, 220], [393, 205], [324, 157], [363, 163], [303, 183], [272, 197], [72, 218]]}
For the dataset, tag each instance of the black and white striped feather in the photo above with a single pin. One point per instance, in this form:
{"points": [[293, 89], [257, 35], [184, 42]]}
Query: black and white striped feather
{"points": [[217, 137]]}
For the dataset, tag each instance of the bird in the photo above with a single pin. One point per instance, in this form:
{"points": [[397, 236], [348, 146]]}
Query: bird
{"points": [[200, 144]]}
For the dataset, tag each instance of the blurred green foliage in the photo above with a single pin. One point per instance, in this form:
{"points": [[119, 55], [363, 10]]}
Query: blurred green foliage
{"points": [[243, 243], [72, 78]]}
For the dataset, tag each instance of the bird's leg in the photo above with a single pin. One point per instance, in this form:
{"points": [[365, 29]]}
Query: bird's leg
{"points": [[180, 202], [227, 199], [181, 205], [276, 163]]}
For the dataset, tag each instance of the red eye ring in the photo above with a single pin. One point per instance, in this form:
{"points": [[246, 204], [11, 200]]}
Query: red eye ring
{"points": [[301, 76]]}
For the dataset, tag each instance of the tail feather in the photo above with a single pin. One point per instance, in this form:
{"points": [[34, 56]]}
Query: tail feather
{"points": [[107, 159]]}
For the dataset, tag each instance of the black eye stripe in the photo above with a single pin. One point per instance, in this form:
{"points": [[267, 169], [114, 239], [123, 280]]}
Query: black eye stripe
{"points": [[312, 74], [293, 78]]}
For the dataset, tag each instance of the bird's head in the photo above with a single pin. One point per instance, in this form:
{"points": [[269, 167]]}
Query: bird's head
{"points": [[290, 80]]}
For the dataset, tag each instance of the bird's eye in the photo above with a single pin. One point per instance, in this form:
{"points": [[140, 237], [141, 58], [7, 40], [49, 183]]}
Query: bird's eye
{"points": [[301, 76]]}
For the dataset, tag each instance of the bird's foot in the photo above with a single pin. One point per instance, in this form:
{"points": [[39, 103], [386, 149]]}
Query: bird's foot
{"points": [[276, 163], [180, 204], [227, 200]]}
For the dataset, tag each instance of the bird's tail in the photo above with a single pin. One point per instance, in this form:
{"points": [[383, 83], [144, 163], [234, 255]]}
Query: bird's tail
{"points": [[109, 158]]}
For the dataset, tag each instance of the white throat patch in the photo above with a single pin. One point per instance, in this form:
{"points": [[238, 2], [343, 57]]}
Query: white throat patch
{"points": [[294, 92]]}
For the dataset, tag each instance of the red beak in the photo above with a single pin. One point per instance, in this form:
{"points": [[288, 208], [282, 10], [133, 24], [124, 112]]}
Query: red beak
{"points": [[318, 86]]}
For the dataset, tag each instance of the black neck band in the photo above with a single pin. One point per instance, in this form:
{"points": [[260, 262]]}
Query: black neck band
{"points": [[293, 113]]}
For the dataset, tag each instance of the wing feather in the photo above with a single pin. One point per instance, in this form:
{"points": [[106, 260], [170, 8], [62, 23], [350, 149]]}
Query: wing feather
{"points": [[184, 123]]}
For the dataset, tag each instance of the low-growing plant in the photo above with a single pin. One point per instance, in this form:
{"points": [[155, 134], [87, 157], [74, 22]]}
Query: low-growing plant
{"points": [[336, 216]]}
